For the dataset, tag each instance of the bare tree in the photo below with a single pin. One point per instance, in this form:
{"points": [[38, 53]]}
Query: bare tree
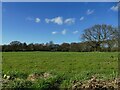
{"points": [[99, 34]]}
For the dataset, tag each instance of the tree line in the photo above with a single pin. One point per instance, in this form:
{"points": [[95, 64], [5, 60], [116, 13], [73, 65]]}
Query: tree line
{"points": [[96, 38]]}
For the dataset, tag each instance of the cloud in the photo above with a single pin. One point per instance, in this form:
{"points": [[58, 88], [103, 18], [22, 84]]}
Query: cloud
{"points": [[90, 11], [114, 8], [54, 32], [64, 31], [69, 21], [82, 18], [29, 18], [37, 20], [57, 20], [47, 20], [75, 32]]}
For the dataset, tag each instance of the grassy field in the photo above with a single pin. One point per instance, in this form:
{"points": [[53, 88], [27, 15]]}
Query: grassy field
{"points": [[71, 65]]}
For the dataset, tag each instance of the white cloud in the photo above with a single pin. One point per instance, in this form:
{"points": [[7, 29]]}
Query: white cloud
{"points": [[29, 18], [82, 18], [54, 32], [69, 21], [47, 20], [114, 8], [57, 20], [75, 32], [37, 20], [90, 11], [64, 31]]}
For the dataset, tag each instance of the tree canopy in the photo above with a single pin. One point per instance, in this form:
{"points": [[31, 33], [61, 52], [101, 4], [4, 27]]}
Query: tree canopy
{"points": [[99, 35]]}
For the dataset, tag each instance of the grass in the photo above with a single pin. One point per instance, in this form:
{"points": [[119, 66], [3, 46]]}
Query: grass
{"points": [[73, 65]]}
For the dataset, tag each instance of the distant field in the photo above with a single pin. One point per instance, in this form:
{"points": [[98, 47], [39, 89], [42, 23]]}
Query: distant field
{"points": [[74, 65]]}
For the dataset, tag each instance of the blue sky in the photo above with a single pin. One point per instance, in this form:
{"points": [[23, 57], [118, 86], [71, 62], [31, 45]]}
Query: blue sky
{"points": [[58, 22]]}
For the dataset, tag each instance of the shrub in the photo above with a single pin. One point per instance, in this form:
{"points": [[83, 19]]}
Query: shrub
{"points": [[19, 84]]}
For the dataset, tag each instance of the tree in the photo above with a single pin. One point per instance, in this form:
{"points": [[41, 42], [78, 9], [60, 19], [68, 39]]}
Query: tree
{"points": [[65, 47], [31, 47], [74, 47], [99, 34], [51, 46], [16, 45]]}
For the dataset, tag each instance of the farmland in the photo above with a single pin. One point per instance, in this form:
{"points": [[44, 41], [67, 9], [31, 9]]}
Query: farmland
{"points": [[70, 65]]}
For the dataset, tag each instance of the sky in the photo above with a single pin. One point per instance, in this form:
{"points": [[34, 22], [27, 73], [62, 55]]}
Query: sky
{"points": [[41, 22]]}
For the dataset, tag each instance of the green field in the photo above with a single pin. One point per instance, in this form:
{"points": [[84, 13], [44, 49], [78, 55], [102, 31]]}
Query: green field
{"points": [[71, 65]]}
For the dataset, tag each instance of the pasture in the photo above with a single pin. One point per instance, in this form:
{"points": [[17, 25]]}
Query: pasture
{"points": [[71, 65]]}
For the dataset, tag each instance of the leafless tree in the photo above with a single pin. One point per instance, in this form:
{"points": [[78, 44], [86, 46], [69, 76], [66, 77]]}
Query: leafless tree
{"points": [[99, 34]]}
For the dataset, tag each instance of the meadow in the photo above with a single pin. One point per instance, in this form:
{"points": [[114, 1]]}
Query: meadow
{"points": [[69, 66]]}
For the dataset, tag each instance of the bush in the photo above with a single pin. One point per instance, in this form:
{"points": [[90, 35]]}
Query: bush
{"points": [[52, 83]]}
